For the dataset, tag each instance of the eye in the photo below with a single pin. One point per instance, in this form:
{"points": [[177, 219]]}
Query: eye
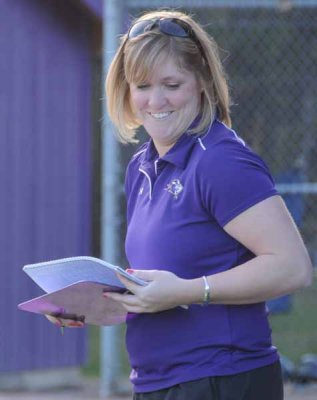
{"points": [[172, 86], [142, 86]]}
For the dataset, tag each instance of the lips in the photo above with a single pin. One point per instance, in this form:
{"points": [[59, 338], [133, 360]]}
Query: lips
{"points": [[161, 115]]}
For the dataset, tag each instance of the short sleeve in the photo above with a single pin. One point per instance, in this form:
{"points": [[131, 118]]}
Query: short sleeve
{"points": [[232, 178]]}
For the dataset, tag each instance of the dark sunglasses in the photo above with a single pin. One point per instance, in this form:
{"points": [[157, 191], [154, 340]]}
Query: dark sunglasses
{"points": [[169, 26]]}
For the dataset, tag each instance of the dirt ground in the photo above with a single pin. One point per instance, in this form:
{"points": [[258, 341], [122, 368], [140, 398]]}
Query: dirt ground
{"points": [[300, 392], [90, 391]]}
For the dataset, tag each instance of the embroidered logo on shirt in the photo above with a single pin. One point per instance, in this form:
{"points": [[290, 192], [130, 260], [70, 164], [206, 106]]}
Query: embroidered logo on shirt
{"points": [[175, 188]]}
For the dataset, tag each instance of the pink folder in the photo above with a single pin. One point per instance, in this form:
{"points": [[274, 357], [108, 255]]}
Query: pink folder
{"points": [[75, 286], [81, 298]]}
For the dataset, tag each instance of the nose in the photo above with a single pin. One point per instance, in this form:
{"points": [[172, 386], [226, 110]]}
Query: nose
{"points": [[157, 99]]}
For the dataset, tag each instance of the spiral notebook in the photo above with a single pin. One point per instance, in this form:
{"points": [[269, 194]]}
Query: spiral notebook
{"points": [[75, 286]]}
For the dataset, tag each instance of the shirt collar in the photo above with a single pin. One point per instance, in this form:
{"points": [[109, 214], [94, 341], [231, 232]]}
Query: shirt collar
{"points": [[178, 154]]}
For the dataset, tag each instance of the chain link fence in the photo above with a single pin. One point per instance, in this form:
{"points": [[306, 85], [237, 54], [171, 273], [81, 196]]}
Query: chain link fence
{"points": [[270, 56]]}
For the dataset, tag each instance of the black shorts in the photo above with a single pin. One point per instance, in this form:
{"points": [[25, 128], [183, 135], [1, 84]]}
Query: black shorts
{"points": [[263, 383]]}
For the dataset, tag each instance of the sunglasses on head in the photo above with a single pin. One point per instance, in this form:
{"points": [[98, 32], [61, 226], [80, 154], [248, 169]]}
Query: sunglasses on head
{"points": [[169, 26]]}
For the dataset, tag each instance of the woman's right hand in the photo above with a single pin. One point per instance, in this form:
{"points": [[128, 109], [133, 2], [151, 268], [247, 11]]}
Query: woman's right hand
{"points": [[65, 320]]}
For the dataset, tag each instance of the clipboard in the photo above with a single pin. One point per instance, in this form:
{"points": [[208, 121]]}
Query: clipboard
{"points": [[75, 285]]}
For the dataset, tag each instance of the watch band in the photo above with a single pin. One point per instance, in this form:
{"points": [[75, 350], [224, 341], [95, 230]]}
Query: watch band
{"points": [[207, 292]]}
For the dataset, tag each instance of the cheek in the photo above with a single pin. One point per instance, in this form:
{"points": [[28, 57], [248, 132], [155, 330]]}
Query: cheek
{"points": [[137, 100], [188, 102], [189, 97]]}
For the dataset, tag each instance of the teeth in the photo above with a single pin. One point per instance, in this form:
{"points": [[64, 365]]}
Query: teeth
{"points": [[161, 115]]}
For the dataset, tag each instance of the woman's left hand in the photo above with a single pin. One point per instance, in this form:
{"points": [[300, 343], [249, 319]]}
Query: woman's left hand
{"points": [[164, 291]]}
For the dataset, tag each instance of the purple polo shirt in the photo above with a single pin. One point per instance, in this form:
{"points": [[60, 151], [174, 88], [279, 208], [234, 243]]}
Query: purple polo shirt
{"points": [[177, 206]]}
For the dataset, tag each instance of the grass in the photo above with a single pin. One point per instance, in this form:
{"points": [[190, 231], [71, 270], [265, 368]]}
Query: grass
{"points": [[92, 369], [294, 333]]}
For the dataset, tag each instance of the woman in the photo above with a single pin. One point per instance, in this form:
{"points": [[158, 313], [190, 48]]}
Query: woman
{"points": [[206, 226]]}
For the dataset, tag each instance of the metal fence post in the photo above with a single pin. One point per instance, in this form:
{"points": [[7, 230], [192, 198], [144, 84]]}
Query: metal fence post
{"points": [[110, 194]]}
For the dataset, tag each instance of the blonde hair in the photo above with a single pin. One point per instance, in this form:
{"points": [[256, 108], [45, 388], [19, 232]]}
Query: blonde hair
{"points": [[136, 58]]}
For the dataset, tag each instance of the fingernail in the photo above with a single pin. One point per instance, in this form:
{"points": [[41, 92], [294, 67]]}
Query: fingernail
{"points": [[76, 324], [130, 271]]}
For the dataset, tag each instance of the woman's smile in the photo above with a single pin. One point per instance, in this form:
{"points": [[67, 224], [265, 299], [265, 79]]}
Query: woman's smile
{"points": [[161, 115]]}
